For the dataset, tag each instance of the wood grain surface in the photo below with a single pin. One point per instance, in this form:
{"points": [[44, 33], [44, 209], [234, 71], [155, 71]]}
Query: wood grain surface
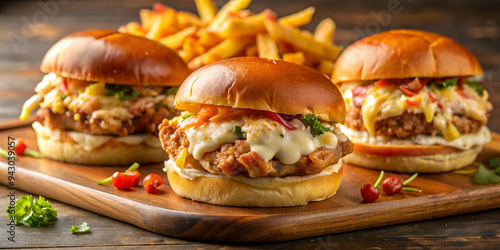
{"points": [[165, 213]]}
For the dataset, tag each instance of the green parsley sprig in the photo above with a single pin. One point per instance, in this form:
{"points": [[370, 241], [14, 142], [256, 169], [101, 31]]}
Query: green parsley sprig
{"points": [[83, 228], [122, 92], [32, 212], [451, 82], [483, 175], [239, 133], [476, 86], [315, 126]]}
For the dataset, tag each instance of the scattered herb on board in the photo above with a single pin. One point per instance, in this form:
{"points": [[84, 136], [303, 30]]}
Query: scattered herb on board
{"points": [[83, 228], [483, 175], [32, 212]]}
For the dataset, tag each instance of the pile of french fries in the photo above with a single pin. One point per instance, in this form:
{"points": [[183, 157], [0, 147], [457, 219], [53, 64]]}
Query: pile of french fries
{"points": [[233, 31]]}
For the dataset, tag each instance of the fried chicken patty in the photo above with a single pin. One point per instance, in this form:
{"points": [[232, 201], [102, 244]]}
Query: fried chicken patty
{"points": [[408, 124], [236, 158]]}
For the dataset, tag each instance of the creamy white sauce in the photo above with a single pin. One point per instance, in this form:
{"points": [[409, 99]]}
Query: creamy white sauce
{"points": [[91, 142], [464, 142], [192, 174], [267, 138]]}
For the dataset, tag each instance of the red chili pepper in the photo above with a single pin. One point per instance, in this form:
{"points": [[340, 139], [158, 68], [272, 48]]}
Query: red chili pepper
{"points": [[125, 180], [412, 103], [151, 182], [383, 82], [369, 193], [277, 118], [407, 91], [392, 185], [64, 86], [159, 7], [20, 147]]}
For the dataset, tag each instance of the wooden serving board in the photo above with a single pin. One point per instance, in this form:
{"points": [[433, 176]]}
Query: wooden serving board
{"points": [[166, 213]]}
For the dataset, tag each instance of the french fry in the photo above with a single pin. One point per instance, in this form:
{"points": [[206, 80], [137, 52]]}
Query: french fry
{"points": [[164, 24], [176, 40], [302, 40], [326, 67], [233, 6], [186, 19], [226, 49], [191, 49], [209, 39], [251, 50], [243, 27], [146, 18], [206, 9], [324, 31], [298, 19], [133, 28], [267, 47], [297, 57]]}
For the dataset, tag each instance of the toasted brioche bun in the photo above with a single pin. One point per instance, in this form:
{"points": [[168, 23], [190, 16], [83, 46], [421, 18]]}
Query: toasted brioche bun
{"points": [[61, 148], [260, 192], [404, 54], [262, 84], [112, 57], [424, 159]]}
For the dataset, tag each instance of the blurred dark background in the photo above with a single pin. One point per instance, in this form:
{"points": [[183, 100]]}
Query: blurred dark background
{"points": [[29, 28]]}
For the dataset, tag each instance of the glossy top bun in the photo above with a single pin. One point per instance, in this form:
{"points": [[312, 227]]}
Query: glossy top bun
{"points": [[112, 57], [404, 54], [262, 84]]}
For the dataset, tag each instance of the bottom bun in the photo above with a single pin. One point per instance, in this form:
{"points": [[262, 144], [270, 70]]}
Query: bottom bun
{"points": [[429, 163], [111, 152], [258, 192]]}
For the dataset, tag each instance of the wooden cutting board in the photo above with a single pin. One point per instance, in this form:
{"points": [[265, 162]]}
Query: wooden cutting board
{"points": [[166, 213]]}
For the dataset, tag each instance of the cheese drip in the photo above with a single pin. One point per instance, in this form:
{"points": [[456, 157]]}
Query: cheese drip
{"points": [[267, 138]]}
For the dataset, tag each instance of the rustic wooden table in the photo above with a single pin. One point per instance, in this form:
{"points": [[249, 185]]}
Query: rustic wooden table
{"points": [[29, 28]]}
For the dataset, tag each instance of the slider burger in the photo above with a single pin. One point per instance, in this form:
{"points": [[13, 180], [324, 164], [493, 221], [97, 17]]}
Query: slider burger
{"points": [[103, 97], [414, 102], [256, 132]]}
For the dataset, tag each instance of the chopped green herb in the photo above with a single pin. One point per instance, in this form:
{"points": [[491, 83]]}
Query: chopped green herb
{"points": [[63, 97], [122, 92], [315, 126], [186, 116], [160, 104], [171, 91], [485, 176], [32, 212], [446, 83], [495, 162], [240, 134], [83, 228], [282, 136], [476, 86]]}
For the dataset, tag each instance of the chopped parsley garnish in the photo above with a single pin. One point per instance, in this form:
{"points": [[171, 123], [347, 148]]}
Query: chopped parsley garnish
{"points": [[315, 126], [32, 212], [446, 83], [186, 116], [240, 134], [172, 90], [160, 104], [122, 92], [476, 86], [83, 228], [63, 97]]}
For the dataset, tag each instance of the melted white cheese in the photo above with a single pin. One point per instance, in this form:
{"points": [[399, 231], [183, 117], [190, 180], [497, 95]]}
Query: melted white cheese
{"points": [[464, 142], [266, 137], [191, 174], [91, 142]]}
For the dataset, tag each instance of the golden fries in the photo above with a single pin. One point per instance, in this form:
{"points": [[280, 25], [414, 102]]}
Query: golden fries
{"points": [[233, 30], [267, 47], [298, 19]]}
